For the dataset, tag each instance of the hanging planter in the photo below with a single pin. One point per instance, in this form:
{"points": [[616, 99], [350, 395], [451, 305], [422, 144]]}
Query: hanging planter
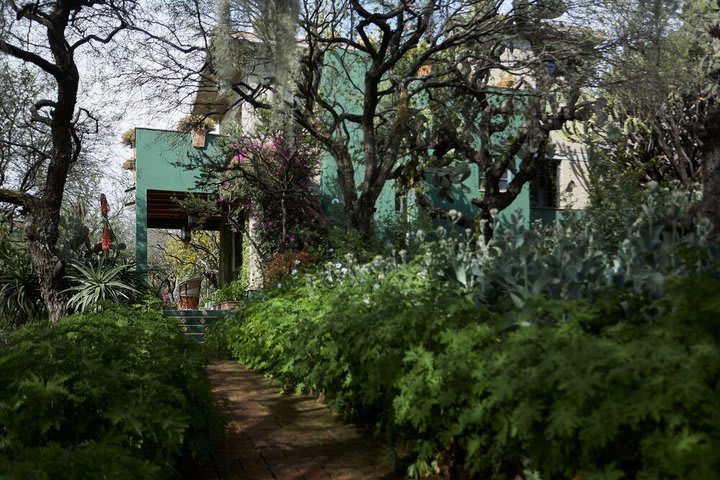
{"points": [[128, 139], [198, 126], [198, 137], [129, 164]]}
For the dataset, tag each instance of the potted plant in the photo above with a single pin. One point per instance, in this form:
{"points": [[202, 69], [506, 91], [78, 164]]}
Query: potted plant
{"points": [[128, 139], [198, 126], [129, 164]]}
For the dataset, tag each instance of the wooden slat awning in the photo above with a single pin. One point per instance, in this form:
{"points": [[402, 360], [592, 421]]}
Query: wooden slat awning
{"points": [[164, 211]]}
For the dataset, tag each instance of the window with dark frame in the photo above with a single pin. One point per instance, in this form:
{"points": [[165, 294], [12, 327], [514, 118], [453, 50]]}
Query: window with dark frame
{"points": [[502, 183], [544, 188]]}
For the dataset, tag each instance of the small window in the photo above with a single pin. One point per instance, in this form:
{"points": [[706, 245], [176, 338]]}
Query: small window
{"points": [[502, 184], [544, 191]]}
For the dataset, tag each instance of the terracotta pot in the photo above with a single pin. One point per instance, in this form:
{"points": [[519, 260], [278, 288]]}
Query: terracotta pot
{"points": [[188, 303], [228, 305], [198, 138]]}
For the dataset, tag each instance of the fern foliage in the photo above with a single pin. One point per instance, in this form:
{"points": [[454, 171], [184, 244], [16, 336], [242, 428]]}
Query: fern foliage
{"points": [[113, 394]]}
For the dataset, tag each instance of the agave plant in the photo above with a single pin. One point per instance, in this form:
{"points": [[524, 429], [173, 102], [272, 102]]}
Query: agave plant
{"points": [[93, 283]]}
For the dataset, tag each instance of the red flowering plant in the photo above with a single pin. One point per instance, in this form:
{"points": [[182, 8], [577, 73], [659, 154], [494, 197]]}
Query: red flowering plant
{"points": [[107, 276], [270, 180], [108, 247], [282, 266]]}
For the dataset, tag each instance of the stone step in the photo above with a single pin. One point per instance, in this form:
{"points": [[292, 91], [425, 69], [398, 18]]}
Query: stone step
{"points": [[194, 323], [195, 313], [194, 328], [196, 337]]}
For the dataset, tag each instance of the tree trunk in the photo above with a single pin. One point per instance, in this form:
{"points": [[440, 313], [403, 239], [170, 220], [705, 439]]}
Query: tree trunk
{"points": [[363, 213], [708, 133], [41, 236]]}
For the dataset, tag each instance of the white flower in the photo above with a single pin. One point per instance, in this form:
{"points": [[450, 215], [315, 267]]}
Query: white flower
{"points": [[297, 262], [293, 272], [338, 265], [344, 271], [335, 201], [279, 285]]}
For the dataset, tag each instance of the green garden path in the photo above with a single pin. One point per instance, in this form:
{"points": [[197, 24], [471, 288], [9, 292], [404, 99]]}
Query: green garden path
{"points": [[271, 436]]}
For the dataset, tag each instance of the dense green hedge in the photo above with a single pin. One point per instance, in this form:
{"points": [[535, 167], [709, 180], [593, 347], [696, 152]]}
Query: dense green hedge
{"points": [[533, 356], [610, 391], [114, 394]]}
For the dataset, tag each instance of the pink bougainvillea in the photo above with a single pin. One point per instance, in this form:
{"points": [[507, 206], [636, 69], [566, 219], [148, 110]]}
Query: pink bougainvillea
{"points": [[268, 179]]}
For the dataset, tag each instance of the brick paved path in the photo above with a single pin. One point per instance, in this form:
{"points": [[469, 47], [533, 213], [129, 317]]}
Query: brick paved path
{"points": [[270, 436]]}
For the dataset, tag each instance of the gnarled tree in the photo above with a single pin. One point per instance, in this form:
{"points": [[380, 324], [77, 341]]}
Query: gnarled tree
{"points": [[48, 37], [381, 83], [359, 66]]}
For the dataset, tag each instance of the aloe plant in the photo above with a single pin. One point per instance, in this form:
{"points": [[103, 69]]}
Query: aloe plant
{"points": [[95, 283]]}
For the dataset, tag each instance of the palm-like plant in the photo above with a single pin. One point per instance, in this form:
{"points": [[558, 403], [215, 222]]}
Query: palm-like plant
{"points": [[93, 283]]}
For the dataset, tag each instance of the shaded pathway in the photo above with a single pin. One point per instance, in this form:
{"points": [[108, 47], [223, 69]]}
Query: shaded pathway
{"points": [[270, 436]]}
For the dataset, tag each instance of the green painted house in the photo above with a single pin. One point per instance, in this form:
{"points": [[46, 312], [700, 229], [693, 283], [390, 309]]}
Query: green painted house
{"points": [[163, 161]]}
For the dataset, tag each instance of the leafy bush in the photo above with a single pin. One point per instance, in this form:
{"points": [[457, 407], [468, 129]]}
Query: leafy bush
{"points": [[545, 357], [596, 392], [283, 265], [115, 394], [216, 336], [20, 299], [234, 291]]}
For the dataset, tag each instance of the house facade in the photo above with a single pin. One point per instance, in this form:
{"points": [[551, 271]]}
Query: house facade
{"points": [[164, 171]]}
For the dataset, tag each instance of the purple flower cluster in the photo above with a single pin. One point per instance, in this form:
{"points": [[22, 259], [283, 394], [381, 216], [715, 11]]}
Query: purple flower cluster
{"points": [[284, 167]]}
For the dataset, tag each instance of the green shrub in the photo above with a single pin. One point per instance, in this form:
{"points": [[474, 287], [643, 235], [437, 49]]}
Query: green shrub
{"points": [[233, 291], [217, 335], [604, 393], [546, 357], [20, 299], [114, 394]]}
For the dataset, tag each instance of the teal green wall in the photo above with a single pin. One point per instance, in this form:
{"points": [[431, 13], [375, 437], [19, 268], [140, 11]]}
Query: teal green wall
{"points": [[346, 86], [160, 160]]}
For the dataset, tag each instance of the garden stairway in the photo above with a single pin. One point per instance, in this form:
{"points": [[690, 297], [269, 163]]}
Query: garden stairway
{"points": [[194, 323]]}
